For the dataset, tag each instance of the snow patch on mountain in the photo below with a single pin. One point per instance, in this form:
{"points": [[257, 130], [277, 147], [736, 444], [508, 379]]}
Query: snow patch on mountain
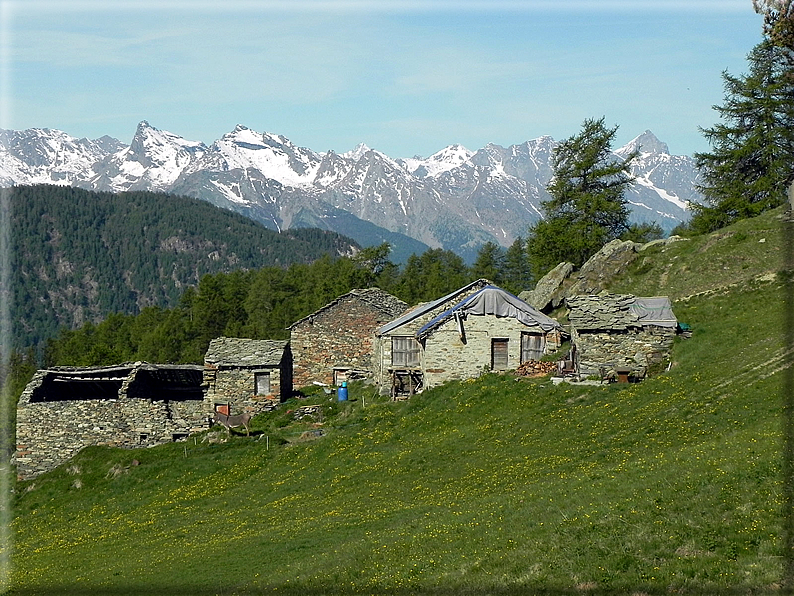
{"points": [[272, 155], [645, 144], [663, 194], [356, 153], [231, 192], [455, 199], [154, 161], [442, 161], [47, 156]]}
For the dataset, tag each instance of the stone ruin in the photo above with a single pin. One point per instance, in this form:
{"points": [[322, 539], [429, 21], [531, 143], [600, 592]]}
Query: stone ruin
{"points": [[64, 409]]}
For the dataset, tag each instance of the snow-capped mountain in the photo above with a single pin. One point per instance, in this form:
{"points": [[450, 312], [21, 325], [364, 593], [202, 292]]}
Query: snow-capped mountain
{"points": [[662, 181], [455, 199], [153, 161], [44, 156]]}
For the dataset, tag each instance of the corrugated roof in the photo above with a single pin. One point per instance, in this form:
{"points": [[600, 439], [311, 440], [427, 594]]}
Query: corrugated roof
{"points": [[428, 306], [492, 300]]}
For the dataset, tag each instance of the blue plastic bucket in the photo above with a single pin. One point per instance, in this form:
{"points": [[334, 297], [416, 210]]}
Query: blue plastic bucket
{"points": [[341, 392]]}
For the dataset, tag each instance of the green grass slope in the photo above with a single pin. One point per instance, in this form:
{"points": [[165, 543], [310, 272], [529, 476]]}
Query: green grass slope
{"points": [[720, 260], [493, 486]]}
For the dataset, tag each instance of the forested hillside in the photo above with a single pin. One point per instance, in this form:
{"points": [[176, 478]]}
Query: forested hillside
{"points": [[79, 255]]}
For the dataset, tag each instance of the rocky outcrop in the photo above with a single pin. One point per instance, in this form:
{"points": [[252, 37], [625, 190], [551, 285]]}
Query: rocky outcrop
{"points": [[548, 294], [602, 267]]}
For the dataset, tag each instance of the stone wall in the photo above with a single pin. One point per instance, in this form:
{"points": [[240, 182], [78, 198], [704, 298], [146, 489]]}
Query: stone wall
{"points": [[340, 336], [635, 348], [446, 357], [49, 433], [235, 386]]}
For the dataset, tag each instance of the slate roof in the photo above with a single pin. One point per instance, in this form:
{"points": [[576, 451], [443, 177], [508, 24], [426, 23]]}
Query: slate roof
{"points": [[617, 312], [235, 351], [389, 305]]}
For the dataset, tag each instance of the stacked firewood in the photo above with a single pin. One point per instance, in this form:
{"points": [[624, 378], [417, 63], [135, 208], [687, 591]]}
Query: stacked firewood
{"points": [[536, 368]]}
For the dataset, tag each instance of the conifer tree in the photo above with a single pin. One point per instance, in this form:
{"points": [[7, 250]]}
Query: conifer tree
{"points": [[587, 208], [750, 165], [518, 274], [489, 263]]}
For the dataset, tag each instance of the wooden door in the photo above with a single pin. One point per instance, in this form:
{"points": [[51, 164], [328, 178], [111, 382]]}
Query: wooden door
{"points": [[499, 353], [533, 346]]}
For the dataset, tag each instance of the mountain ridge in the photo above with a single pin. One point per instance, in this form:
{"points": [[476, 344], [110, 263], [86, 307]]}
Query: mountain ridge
{"points": [[455, 199]]}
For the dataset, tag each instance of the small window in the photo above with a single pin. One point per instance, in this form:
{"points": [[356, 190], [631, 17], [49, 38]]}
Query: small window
{"points": [[262, 381], [340, 376], [404, 351], [533, 346], [499, 353]]}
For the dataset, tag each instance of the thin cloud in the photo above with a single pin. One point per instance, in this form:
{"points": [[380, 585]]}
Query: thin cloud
{"points": [[391, 6]]}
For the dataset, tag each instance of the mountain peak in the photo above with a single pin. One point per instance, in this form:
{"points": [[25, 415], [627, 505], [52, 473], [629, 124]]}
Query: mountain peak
{"points": [[357, 152], [455, 153], [647, 142]]}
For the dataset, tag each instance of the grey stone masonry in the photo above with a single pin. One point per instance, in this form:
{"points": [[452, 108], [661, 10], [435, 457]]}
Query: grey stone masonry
{"points": [[603, 311], [247, 374], [63, 410], [635, 349], [447, 356], [607, 333], [457, 347]]}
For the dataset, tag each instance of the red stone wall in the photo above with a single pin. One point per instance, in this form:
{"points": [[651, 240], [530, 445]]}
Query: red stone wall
{"points": [[342, 335]]}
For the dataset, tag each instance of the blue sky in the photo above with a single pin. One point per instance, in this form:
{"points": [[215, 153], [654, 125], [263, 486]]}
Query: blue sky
{"points": [[407, 78]]}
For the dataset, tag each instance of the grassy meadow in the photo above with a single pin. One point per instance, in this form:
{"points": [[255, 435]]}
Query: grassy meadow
{"points": [[498, 485]]}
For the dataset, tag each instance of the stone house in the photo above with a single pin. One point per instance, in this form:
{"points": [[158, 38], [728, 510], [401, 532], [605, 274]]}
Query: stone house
{"points": [[334, 343], [64, 409], [477, 327], [620, 332], [249, 375]]}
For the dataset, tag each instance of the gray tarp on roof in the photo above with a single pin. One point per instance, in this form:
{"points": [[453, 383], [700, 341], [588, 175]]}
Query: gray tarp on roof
{"points": [[494, 301], [654, 311], [428, 306]]}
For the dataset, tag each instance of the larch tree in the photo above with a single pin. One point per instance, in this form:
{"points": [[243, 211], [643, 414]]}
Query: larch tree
{"points": [[749, 167], [587, 207]]}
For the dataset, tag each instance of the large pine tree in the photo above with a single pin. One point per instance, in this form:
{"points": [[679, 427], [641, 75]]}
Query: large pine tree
{"points": [[752, 158], [587, 208]]}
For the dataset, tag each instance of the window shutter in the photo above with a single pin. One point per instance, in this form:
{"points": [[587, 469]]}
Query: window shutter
{"points": [[404, 352], [262, 382], [533, 345]]}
